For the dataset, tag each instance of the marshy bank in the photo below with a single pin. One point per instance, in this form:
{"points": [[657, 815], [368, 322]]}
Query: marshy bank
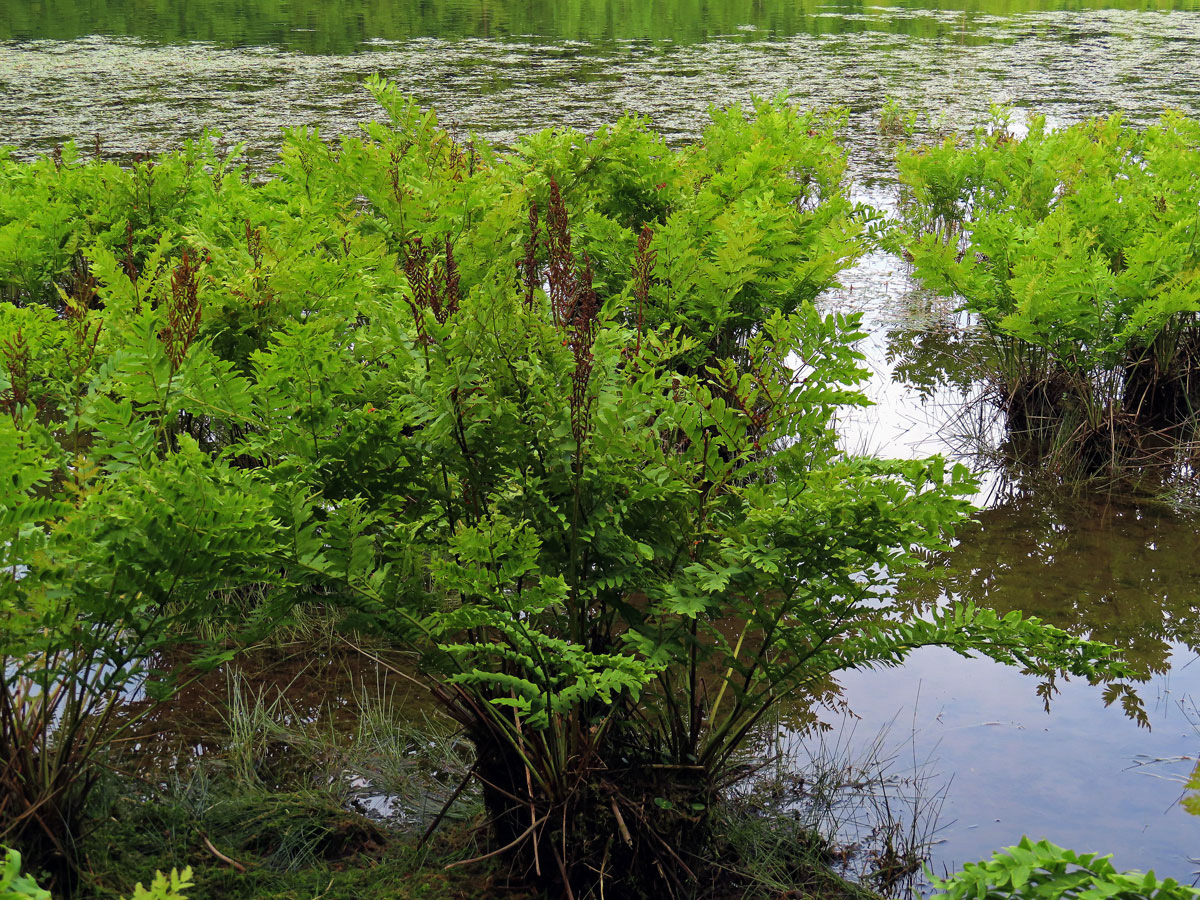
{"points": [[281, 778]]}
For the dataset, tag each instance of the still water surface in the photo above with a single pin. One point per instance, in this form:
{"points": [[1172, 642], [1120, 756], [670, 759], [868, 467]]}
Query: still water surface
{"points": [[144, 74]]}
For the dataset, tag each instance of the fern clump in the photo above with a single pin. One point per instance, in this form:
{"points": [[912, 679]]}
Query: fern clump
{"points": [[1075, 249]]}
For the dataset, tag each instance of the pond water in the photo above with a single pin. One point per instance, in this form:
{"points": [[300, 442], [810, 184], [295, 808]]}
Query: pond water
{"points": [[144, 74]]}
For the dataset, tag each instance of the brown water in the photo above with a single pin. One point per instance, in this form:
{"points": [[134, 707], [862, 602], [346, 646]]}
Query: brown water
{"points": [[144, 74]]}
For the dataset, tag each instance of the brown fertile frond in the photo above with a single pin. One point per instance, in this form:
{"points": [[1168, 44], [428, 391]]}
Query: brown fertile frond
{"points": [[416, 267], [564, 283], [573, 302], [254, 244], [643, 273], [434, 286], [183, 310], [581, 337], [129, 264], [532, 276], [85, 332], [16, 360], [450, 307]]}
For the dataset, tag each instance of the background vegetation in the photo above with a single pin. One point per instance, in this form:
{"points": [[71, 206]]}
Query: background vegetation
{"points": [[343, 26], [1075, 249]]}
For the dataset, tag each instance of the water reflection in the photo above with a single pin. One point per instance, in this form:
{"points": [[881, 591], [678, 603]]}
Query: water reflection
{"points": [[1071, 776], [352, 26], [1086, 775], [1122, 573], [929, 348]]}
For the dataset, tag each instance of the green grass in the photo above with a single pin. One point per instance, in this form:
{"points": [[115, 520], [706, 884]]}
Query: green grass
{"points": [[244, 843], [291, 846]]}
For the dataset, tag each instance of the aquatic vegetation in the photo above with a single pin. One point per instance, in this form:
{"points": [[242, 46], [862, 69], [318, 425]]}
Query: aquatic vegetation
{"points": [[560, 420], [1044, 870], [15, 886], [895, 119], [165, 887], [1075, 250], [1192, 801], [868, 812]]}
